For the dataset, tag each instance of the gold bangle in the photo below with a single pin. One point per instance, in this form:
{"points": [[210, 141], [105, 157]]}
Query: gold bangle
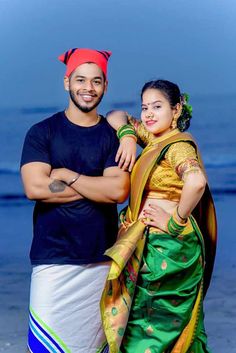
{"points": [[74, 180]]}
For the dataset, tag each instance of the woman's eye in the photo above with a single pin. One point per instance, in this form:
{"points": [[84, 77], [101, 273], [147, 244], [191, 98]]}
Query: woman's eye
{"points": [[143, 109], [157, 106]]}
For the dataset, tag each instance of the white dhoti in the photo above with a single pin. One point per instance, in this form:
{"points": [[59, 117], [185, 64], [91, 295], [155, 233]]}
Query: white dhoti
{"points": [[64, 308]]}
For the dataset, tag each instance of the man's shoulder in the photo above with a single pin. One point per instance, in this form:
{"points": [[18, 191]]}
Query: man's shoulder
{"points": [[48, 121], [107, 127], [45, 124]]}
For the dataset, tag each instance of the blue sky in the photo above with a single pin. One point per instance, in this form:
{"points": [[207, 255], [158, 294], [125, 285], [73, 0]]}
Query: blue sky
{"points": [[189, 42]]}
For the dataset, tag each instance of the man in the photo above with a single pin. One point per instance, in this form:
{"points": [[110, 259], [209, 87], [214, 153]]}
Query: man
{"points": [[68, 166]]}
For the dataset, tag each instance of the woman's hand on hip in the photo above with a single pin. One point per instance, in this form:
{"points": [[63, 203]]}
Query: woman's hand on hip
{"points": [[156, 216]]}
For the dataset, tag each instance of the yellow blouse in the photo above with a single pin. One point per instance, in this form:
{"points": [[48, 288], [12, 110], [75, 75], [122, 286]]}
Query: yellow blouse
{"points": [[167, 177]]}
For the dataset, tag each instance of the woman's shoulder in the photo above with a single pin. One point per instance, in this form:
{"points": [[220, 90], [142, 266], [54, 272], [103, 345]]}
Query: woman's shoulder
{"points": [[180, 151], [181, 146]]}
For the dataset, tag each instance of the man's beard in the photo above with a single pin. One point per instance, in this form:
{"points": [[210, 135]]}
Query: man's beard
{"points": [[80, 107]]}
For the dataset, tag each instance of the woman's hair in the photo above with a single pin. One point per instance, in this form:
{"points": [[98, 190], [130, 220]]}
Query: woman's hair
{"points": [[172, 93]]}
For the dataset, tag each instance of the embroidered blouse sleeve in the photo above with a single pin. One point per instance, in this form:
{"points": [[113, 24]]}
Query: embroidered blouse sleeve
{"points": [[144, 137], [183, 159]]}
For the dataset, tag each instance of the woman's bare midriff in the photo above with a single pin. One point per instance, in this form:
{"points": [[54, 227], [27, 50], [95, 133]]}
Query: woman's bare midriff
{"points": [[167, 205]]}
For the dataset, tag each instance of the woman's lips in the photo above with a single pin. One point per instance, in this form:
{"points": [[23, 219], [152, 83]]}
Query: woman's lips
{"points": [[151, 122]]}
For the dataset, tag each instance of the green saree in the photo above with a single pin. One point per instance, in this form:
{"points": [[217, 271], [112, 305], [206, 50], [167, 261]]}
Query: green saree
{"points": [[152, 300]]}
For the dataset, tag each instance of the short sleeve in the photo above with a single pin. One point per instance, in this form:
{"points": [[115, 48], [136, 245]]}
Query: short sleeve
{"points": [[183, 158], [144, 137], [36, 145], [112, 150]]}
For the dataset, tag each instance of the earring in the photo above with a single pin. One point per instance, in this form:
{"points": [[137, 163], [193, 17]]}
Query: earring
{"points": [[174, 123]]}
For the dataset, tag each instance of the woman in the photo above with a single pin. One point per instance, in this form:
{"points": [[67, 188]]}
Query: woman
{"points": [[163, 258]]}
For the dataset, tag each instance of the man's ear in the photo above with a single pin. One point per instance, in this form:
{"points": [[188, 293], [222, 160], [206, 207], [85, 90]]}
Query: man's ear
{"points": [[66, 83], [105, 86]]}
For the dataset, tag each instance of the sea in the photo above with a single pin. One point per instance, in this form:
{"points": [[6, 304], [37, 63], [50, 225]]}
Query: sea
{"points": [[214, 127]]}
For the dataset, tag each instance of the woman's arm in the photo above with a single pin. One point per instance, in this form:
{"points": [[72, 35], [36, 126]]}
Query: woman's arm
{"points": [[184, 161], [193, 189], [117, 118], [192, 192], [126, 153]]}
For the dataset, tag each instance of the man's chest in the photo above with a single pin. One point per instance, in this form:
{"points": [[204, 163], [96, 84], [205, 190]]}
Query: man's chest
{"points": [[84, 153]]}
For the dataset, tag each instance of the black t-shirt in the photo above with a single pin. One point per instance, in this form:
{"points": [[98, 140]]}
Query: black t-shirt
{"points": [[78, 232]]}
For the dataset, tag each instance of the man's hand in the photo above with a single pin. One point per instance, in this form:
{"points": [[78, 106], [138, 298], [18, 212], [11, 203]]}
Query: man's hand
{"points": [[39, 185], [63, 174]]}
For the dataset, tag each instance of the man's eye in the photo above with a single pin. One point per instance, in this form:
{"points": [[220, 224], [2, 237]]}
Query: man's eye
{"points": [[97, 82], [80, 80]]}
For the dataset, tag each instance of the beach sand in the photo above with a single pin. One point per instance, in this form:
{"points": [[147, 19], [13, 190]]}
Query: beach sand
{"points": [[15, 221], [220, 303]]}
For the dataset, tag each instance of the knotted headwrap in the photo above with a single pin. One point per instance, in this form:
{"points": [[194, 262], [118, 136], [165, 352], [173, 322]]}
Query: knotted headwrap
{"points": [[76, 57]]}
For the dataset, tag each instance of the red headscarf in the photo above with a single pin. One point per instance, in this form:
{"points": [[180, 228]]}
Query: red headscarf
{"points": [[76, 57]]}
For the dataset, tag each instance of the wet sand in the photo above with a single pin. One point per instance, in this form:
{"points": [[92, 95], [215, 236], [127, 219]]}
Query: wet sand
{"points": [[15, 222]]}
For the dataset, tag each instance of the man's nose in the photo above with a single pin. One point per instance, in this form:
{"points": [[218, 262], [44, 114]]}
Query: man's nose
{"points": [[89, 85]]}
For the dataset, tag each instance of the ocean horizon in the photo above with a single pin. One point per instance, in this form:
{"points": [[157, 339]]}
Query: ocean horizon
{"points": [[212, 126]]}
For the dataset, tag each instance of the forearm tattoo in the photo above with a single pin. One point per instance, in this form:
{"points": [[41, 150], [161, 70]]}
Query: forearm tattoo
{"points": [[57, 186]]}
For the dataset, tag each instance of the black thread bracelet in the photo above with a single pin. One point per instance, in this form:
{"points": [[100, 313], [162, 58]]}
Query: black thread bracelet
{"points": [[73, 180], [177, 211]]}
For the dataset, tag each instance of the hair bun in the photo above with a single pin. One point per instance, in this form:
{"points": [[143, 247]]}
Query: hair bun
{"points": [[183, 122]]}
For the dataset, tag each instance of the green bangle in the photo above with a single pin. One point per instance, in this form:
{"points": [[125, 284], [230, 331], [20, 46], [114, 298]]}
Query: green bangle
{"points": [[128, 132], [125, 130], [174, 228], [174, 224], [132, 136]]}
